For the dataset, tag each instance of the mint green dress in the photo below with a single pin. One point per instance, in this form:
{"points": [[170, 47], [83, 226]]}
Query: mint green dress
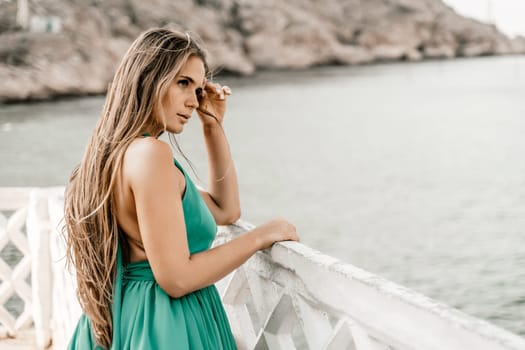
{"points": [[145, 317]]}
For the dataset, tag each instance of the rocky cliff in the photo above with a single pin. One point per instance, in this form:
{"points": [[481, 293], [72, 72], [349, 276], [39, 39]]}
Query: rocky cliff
{"points": [[242, 36]]}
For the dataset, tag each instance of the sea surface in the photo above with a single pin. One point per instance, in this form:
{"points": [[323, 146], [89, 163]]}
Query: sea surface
{"points": [[413, 171]]}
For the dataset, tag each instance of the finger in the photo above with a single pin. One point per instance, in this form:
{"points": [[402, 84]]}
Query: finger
{"points": [[211, 89], [227, 90], [218, 91], [218, 88]]}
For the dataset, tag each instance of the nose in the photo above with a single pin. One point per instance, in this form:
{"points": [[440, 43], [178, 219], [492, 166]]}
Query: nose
{"points": [[192, 101]]}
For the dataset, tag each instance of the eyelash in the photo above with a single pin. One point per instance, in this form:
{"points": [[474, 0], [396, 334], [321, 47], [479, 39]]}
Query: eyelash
{"points": [[183, 82]]}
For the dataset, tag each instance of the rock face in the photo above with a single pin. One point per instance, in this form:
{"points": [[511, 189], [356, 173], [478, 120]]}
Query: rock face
{"points": [[242, 36]]}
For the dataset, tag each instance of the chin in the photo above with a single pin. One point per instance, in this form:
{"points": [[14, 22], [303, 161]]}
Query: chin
{"points": [[175, 129]]}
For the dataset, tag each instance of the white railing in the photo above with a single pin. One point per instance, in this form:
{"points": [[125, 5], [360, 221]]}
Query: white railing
{"points": [[67, 311], [293, 295], [25, 222], [14, 277], [289, 297]]}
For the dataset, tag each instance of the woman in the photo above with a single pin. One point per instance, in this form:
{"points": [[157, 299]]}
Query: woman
{"points": [[139, 231]]}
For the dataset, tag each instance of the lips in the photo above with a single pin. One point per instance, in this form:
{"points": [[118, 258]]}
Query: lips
{"points": [[185, 116]]}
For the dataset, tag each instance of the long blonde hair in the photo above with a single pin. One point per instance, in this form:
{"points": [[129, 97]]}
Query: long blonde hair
{"points": [[132, 101]]}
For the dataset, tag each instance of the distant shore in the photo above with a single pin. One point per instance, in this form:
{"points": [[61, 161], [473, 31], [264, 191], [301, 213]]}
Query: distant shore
{"points": [[73, 49], [227, 74]]}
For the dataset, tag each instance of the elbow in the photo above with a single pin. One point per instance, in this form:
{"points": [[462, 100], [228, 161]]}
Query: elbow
{"points": [[236, 215], [177, 294], [230, 217], [175, 289]]}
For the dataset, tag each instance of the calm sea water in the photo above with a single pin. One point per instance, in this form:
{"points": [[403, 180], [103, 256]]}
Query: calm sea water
{"points": [[413, 171]]}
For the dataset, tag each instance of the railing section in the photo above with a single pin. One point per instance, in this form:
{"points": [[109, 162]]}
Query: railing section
{"points": [[25, 228], [287, 297], [13, 274], [293, 297], [65, 307]]}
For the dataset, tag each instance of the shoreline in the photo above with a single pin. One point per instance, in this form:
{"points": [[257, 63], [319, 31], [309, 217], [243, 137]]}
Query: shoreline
{"points": [[227, 74], [72, 49]]}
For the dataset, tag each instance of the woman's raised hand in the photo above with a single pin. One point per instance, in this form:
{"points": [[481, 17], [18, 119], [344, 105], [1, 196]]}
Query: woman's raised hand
{"points": [[275, 231], [212, 103]]}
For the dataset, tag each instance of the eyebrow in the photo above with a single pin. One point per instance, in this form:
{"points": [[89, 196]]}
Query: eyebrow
{"points": [[189, 78]]}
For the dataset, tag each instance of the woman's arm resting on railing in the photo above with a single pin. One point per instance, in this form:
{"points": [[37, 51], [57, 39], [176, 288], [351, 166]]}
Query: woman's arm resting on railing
{"points": [[157, 186]]}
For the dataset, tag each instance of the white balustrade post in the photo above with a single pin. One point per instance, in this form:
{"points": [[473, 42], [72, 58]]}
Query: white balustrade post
{"points": [[66, 309], [38, 237], [235, 298]]}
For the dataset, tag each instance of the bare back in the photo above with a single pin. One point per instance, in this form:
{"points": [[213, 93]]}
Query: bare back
{"points": [[125, 204]]}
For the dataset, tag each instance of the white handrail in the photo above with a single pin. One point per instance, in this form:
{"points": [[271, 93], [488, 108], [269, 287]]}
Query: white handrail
{"points": [[336, 304], [288, 297]]}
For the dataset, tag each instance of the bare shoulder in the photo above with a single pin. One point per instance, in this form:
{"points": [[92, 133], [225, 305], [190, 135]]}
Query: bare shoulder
{"points": [[148, 159], [148, 147]]}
